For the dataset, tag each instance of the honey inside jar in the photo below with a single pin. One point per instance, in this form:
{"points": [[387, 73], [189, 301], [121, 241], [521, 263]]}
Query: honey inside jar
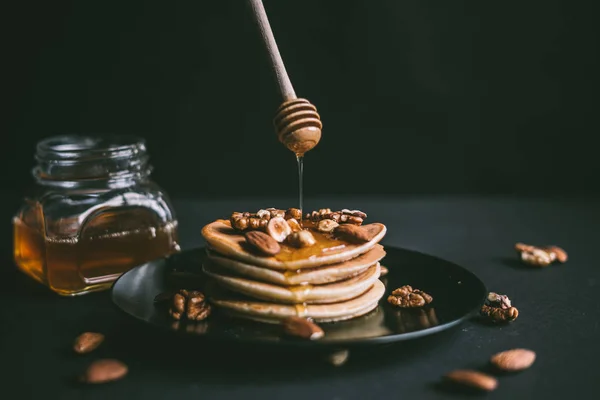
{"points": [[81, 231], [93, 260]]}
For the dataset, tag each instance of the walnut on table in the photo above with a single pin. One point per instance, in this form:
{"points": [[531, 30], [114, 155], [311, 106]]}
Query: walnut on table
{"points": [[498, 308], [540, 256]]}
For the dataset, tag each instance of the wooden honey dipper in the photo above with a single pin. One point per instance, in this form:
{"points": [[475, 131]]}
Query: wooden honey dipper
{"points": [[297, 123]]}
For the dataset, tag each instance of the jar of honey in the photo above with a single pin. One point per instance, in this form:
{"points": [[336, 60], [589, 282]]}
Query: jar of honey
{"points": [[94, 213]]}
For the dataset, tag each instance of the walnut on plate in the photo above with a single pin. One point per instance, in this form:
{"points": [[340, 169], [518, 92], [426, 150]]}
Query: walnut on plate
{"points": [[407, 297], [189, 304]]}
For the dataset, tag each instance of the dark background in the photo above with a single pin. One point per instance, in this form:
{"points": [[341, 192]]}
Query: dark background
{"points": [[415, 96]]}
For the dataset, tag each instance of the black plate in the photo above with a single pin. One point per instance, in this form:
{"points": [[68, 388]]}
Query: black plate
{"points": [[457, 294]]}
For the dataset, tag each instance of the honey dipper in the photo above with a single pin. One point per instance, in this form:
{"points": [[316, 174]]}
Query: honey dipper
{"points": [[297, 123]]}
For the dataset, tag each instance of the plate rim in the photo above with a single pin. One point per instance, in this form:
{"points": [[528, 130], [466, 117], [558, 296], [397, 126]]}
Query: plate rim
{"points": [[284, 341]]}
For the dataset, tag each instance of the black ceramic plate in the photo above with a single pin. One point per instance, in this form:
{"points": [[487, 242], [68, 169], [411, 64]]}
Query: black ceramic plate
{"points": [[457, 294]]}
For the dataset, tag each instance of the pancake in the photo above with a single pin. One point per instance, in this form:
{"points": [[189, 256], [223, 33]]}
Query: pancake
{"points": [[274, 313], [310, 294], [315, 276], [225, 240]]}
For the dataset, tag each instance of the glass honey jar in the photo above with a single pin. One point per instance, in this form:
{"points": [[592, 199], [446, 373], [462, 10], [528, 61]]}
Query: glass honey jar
{"points": [[94, 213]]}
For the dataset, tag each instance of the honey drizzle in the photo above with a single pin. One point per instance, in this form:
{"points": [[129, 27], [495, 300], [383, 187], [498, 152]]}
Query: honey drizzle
{"points": [[300, 292], [300, 162], [325, 243], [301, 310]]}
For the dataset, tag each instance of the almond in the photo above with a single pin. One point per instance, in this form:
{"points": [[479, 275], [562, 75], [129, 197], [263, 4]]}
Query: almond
{"points": [[105, 370], [513, 360], [262, 243], [473, 379], [87, 342], [278, 228], [302, 328], [352, 233], [561, 255]]}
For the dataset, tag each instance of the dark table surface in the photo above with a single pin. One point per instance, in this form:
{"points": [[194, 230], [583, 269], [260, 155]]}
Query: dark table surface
{"points": [[559, 315]]}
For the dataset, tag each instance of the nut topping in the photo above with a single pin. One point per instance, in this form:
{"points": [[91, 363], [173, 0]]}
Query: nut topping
{"points": [[278, 228], [353, 217], [263, 214], [294, 225], [407, 297], [239, 222], [258, 221], [276, 213], [302, 328], [301, 239], [353, 233], [262, 243], [327, 225], [355, 213], [191, 304], [294, 213]]}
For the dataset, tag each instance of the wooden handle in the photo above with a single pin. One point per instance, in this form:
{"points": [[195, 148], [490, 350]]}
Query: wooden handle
{"points": [[285, 86]]}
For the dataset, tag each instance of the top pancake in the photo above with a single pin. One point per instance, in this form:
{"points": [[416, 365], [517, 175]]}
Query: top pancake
{"points": [[225, 240]]}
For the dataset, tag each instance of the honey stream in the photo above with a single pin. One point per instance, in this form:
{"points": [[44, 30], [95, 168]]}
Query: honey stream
{"points": [[325, 243], [300, 161]]}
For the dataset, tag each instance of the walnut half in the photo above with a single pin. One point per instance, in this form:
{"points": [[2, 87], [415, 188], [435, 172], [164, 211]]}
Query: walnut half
{"points": [[189, 304], [407, 297]]}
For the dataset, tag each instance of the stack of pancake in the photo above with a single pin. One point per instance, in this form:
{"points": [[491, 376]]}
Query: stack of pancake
{"points": [[331, 280]]}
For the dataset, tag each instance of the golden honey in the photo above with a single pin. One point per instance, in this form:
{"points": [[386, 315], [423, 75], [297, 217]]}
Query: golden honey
{"points": [[89, 262], [325, 243], [95, 214]]}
